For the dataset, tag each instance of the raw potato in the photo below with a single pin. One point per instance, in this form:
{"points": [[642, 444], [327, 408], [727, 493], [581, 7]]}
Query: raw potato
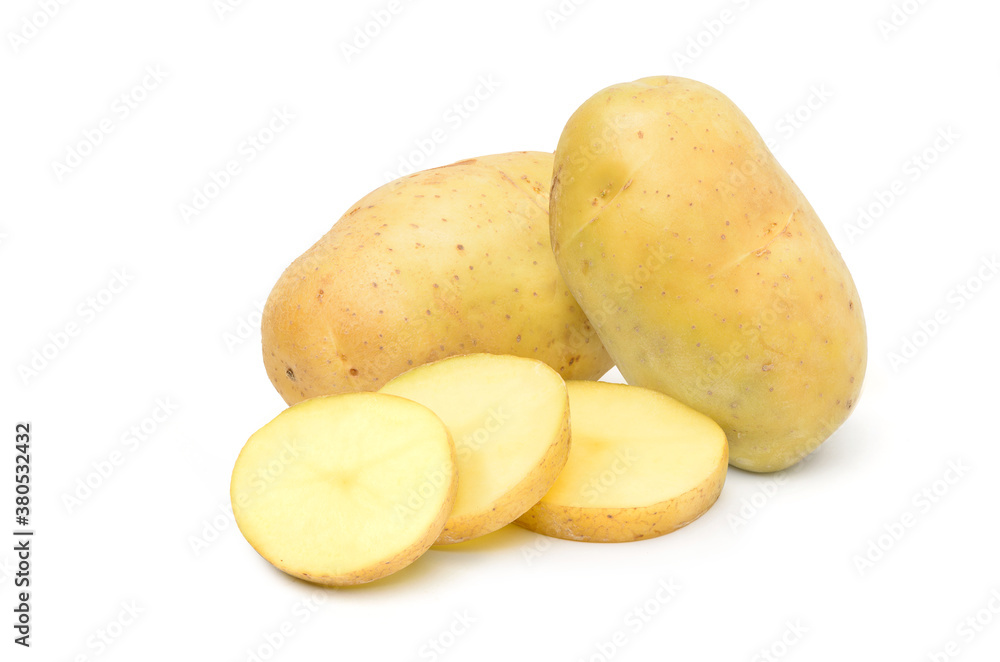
{"points": [[447, 261], [345, 489], [705, 270], [641, 465], [509, 418]]}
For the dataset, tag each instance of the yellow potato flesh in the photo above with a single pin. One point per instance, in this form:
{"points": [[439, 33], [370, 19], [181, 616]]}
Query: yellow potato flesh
{"points": [[704, 269], [509, 418], [641, 465], [345, 489]]}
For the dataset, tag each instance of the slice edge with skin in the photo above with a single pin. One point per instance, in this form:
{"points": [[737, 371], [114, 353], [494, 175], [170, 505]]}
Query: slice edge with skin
{"points": [[641, 465], [509, 419], [345, 489]]}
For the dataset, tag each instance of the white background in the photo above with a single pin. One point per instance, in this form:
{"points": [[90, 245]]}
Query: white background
{"points": [[797, 565]]}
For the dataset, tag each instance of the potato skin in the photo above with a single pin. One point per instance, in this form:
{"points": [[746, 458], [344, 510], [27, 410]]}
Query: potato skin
{"points": [[704, 269], [624, 524], [521, 499], [442, 262], [581, 521]]}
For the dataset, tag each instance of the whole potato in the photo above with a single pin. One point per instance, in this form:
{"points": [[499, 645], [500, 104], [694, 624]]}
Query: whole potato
{"points": [[446, 261], [704, 269]]}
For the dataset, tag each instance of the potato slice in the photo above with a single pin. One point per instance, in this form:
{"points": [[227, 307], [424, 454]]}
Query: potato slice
{"points": [[641, 465], [509, 418], [345, 489]]}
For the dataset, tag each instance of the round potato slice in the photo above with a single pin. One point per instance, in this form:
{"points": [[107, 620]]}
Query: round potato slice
{"points": [[641, 465], [509, 418], [345, 489]]}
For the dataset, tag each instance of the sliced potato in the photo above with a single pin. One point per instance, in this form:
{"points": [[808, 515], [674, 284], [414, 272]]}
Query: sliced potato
{"points": [[509, 418], [345, 489], [641, 465]]}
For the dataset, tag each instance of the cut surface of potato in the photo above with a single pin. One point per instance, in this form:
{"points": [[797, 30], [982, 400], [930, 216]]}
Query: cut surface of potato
{"points": [[641, 465], [345, 489], [509, 418]]}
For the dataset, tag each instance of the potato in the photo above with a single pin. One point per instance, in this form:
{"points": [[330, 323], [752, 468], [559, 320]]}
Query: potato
{"points": [[641, 465], [345, 489], [509, 419], [448, 261], [704, 269]]}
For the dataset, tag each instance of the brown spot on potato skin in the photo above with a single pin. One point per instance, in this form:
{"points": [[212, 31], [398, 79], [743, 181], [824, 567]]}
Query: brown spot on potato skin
{"points": [[766, 191], [351, 257]]}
